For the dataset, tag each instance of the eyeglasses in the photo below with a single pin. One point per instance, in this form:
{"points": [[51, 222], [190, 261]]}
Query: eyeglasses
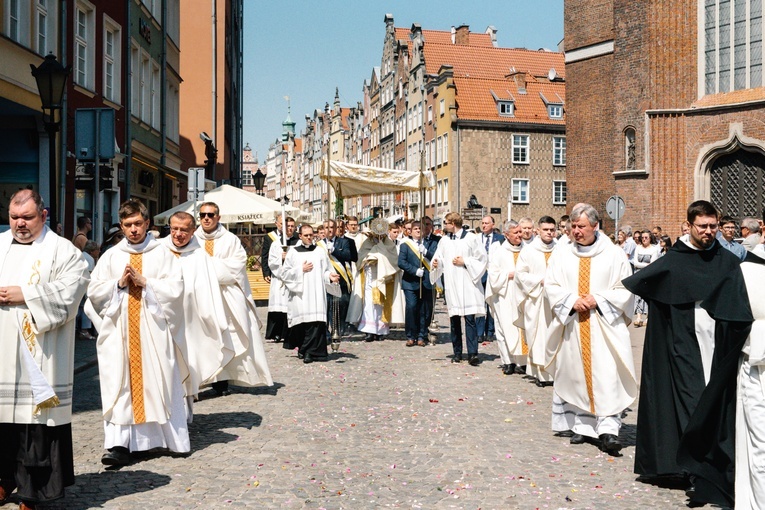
{"points": [[207, 215], [709, 226]]}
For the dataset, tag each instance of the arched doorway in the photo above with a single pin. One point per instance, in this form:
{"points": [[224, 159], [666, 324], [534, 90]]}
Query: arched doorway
{"points": [[737, 184]]}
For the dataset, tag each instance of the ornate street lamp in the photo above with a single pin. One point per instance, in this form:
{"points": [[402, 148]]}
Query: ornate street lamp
{"points": [[51, 80], [260, 181]]}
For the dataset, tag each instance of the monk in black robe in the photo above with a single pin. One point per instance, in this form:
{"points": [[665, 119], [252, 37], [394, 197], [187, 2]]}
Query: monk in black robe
{"points": [[696, 275]]}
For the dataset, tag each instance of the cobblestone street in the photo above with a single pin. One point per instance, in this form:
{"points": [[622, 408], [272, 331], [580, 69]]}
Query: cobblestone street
{"points": [[380, 425]]}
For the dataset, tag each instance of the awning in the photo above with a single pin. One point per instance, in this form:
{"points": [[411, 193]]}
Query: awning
{"points": [[351, 180]]}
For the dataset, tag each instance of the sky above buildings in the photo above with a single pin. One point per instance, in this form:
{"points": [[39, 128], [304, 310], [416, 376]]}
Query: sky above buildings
{"points": [[305, 49]]}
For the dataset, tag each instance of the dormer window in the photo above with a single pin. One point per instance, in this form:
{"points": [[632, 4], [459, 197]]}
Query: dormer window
{"points": [[555, 111], [506, 108]]}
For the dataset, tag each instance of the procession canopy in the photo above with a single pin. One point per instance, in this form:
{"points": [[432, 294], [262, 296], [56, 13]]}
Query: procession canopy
{"points": [[351, 180]]}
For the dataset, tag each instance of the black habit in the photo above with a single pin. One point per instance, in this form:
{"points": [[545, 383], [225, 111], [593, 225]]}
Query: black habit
{"points": [[674, 400]]}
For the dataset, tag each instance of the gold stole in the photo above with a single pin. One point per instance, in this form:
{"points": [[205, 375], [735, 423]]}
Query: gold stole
{"points": [[134, 343], [524, 344], [413, 247], [385, 301], [209, 246], [337, 265], [584, 329]]}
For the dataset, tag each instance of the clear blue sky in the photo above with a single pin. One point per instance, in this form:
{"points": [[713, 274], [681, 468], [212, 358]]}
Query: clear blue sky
{"points": [[304, 49]]}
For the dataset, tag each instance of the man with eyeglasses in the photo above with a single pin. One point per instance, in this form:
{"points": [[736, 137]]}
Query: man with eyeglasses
{"points": [[700, 317], [249, 366], [726, 237], [308, 276], [750, 231]]}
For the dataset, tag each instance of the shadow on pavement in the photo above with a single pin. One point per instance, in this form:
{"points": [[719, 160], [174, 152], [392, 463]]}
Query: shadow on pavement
{"points": [[87, 491], [207, 429], [87, 391]]}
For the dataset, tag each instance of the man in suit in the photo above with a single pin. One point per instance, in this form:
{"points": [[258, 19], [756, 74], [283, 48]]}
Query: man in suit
{"points": [[341, 252], [414, 260], [431, 242], [485, 325]]}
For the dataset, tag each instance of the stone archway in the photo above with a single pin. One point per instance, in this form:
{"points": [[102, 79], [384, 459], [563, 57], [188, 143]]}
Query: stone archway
{"points": [[737, 183]]}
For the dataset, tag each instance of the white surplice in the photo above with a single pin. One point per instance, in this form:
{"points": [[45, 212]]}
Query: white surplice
{"points": [[535, 314], [613, 381], [53, 277], [462, 284], [750, 401], [277, 293], [208, 346], [164, 369], [502, 297], [307, 290], [249, 366]]}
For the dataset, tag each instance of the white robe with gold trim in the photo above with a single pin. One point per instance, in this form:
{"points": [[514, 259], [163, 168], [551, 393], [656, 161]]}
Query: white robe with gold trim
{"points": [[614, 385], [53, 277]]}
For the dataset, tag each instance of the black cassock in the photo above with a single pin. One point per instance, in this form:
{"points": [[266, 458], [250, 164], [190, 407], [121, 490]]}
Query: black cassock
{"points": [[684, 426]]}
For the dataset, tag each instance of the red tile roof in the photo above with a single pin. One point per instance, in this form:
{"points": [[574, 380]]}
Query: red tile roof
{"points": [[475, 100], [444, 37], [492, 63]]}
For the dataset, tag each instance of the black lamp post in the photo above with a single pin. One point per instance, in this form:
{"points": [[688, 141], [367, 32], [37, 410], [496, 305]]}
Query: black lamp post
{"points": [[51, 81], [259, 179]]}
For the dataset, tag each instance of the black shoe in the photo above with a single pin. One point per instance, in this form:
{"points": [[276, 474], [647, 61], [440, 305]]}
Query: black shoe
{"points": [[369, 338], [577, 439], [610, 444], [116, 456], [520, 369], [564, 433], [508, 369], [473, 360], [456, 358], [542, 384], [301, 355], [307, 359], [221, 388]]}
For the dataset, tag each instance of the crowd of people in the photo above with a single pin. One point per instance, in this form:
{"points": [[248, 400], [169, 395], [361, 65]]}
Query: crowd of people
{"points": [[173, 316], [176, 315]]}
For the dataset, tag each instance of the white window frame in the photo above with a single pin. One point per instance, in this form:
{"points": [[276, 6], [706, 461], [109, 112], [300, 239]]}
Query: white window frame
{"points": [[520, 191], [135, 79], [439, 145], [555, 110], [559, 193], [520, 149], [156, 95], [559, 151], [430, 114], [445, 148], [442, 107], [506, 108], [84, 47], [145, 86], [114, 60], [43, 28]]}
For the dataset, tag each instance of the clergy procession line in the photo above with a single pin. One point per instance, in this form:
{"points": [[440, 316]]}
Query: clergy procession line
{"points": [[175, 315]]}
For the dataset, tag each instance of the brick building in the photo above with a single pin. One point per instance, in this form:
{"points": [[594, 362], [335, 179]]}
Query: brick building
{"points": [[665, 106]]}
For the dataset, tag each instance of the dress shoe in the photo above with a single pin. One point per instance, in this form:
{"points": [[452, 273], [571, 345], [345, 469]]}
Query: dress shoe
{"points": [[307, 359], [421, 343], [577, 439], [610, 444], [301, 355], [520, 369], [116, 456], [456, 358], [543, 384], [564, 433], [473, 360], [410, 343], [508, 369], [6, 488], [369, 338], [221, 388]]}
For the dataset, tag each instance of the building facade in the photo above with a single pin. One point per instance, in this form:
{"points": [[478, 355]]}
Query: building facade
{"points": [[669, 112]]}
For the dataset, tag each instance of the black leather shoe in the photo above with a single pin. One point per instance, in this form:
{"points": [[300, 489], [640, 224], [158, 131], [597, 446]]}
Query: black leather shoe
{"points": [[473, 360], [564, 433], [610, 444], [301, 355], [577, 439], [116, 456], [456, 358], [520, 369], [543, 384], [508, 369], [369, 338], [307, 359]]}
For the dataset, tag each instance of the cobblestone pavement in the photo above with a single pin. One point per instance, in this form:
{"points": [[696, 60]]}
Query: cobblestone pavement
{"points": [[378, 426]]}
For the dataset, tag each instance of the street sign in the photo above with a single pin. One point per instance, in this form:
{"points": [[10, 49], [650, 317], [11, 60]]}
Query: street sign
{"points": [[89, 124], [615, 207], [495, 210], [473, 214]]}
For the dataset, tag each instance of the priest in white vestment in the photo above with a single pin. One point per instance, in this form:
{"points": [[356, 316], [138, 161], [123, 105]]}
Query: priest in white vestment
{"points": [[502, 296], [276, 327], [307, 274], [461, 259], [249, 366], [536, 317], [42, 280], [594, 370], [374, 292], [137, 290]]}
